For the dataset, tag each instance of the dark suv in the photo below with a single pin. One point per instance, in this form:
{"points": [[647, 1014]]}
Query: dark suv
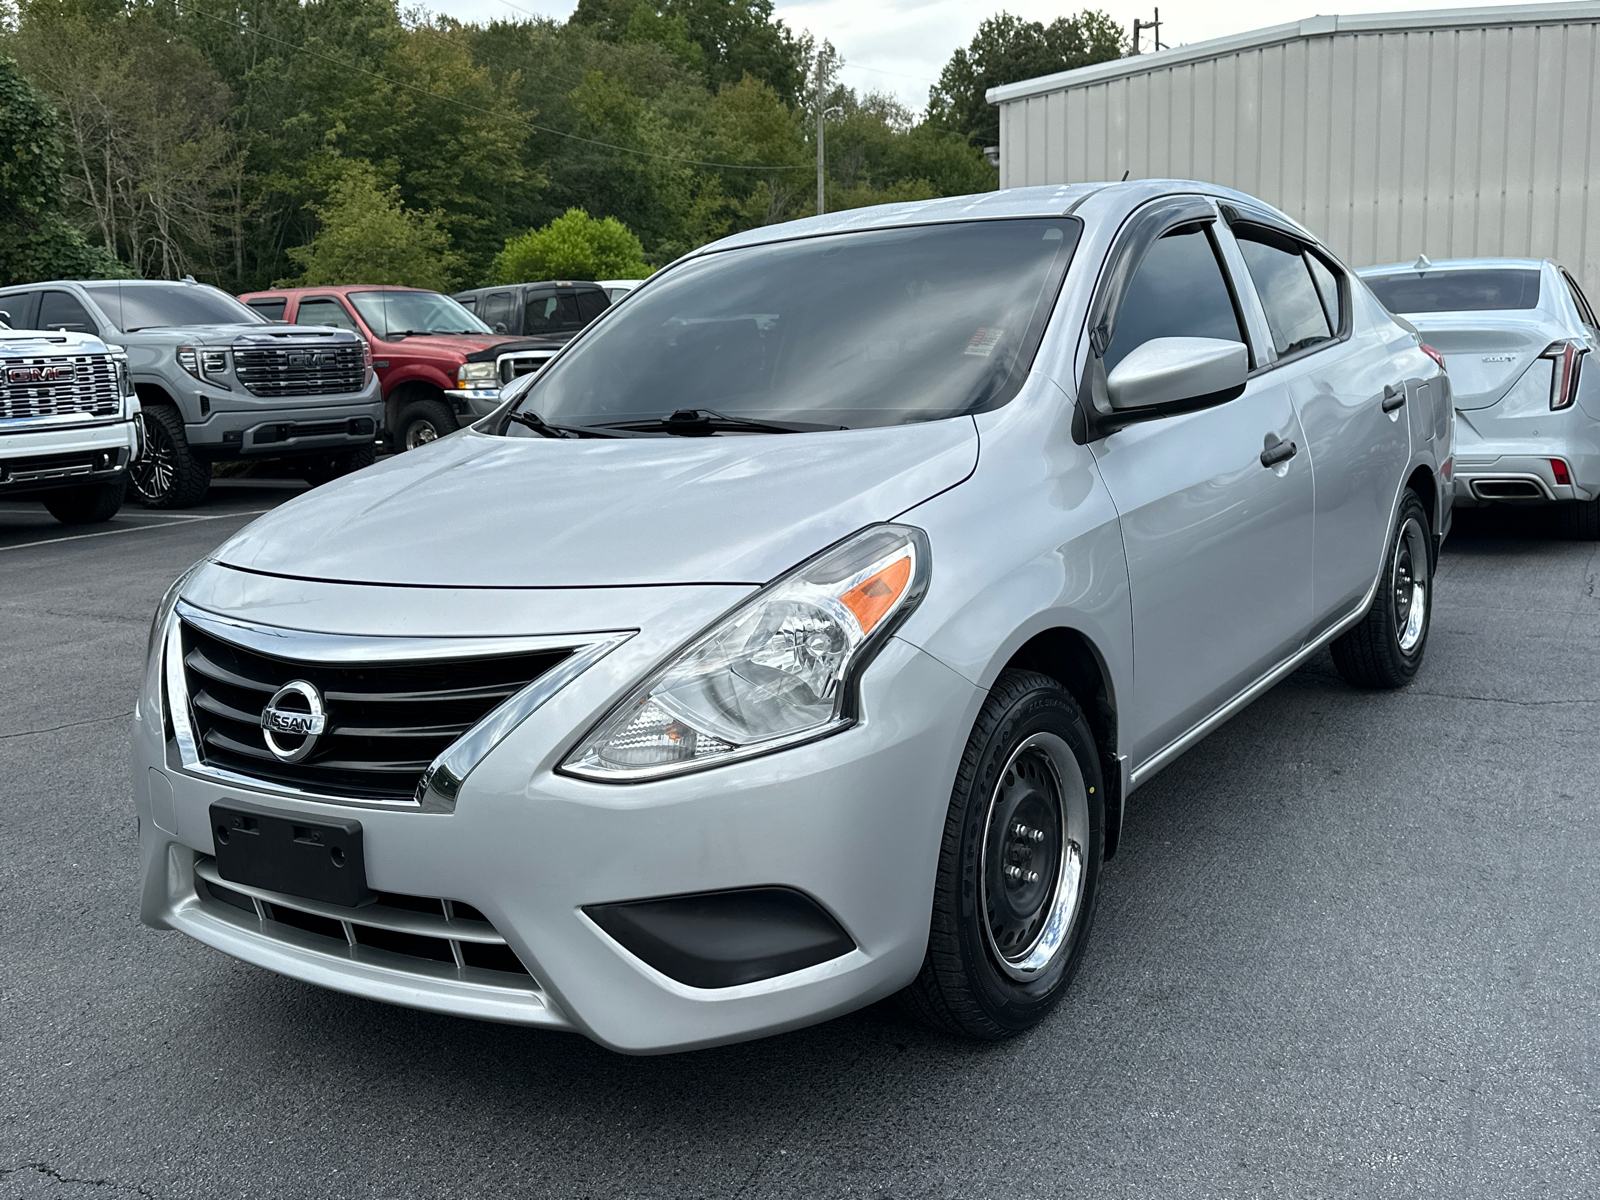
{"points": [[555, 308]]}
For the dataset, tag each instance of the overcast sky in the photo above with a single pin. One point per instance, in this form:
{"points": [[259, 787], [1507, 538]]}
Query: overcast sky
{"points": [[899, 46]]}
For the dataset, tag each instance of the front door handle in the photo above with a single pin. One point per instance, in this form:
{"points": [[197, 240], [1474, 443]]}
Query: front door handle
{"points": [[1277, 451], [1393, 397]]}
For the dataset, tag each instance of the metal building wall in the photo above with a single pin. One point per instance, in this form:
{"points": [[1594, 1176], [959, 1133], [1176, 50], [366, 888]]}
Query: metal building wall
{"points": [[1458, 138]]}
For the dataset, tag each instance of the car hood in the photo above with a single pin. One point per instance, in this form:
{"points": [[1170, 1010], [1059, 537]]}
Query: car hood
{"points": [[227, 336], [474, 510], [470, 346]]}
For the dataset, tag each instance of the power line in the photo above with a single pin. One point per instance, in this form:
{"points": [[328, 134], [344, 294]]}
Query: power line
{"points": [[694, 162]]}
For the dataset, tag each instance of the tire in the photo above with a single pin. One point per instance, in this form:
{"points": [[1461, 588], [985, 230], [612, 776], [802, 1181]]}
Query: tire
{"points": [[168, 475], [996, 963], [1580, 520], [421, 422], [87, 505], [325, 468], [1385, 649]]}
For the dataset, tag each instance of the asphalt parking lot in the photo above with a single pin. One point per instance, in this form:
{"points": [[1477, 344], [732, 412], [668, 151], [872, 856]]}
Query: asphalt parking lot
{"points": [[1348, 949]]}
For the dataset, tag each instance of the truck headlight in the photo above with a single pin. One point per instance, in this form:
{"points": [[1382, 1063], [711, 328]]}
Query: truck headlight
{"points": [[779, 669], [477, 374], [208, 366]]}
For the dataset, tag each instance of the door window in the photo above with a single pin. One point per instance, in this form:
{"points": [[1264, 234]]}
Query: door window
{"points": [[325, 310], [60, 310], [1179, 290], [270, 307], [548, 313], [1330, 288], [1281, 272], [16, 309], [496, 312], [591, 305]]}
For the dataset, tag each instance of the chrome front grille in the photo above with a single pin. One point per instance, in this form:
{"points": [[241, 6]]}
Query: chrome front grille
{"points": [[514, 366], [386, 720], [92, 390], [418, 934], [296, 370]]}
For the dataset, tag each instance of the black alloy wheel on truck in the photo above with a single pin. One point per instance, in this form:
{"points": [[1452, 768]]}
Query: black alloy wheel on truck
{"points": [[168, 475]]}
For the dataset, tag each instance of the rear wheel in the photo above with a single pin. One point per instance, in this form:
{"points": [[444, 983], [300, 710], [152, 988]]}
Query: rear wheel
{"points": [[1580, 520], [324, 468], [168, 475], [423, 421], [1019, 868], [1385, 649], [86, 505]]}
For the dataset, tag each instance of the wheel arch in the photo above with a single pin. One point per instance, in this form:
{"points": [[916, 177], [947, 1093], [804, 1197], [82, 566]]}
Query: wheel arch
{"points": [[403, 393], [1072, 659], [1425, 484], [153, 393]]}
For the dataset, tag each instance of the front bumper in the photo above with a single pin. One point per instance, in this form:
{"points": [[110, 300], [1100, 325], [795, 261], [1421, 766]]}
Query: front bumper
{"points": [[277, 429], [44, 459], [472, 403], [853, 821]]}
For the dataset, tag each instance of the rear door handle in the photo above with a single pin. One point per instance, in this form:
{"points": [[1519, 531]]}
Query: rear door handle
{"points": [[1277, 451], [1393, 397]]}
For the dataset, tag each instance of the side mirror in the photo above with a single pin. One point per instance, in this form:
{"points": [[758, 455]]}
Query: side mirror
{"points": [[499, 326], [1186, 371]]}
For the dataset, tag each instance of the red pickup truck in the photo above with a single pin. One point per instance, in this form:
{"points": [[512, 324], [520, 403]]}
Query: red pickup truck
{"points": [[439, 366]]}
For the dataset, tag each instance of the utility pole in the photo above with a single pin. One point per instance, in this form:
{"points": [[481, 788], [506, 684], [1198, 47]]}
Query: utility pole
{"points": [[822, 121], [1153, 26]]}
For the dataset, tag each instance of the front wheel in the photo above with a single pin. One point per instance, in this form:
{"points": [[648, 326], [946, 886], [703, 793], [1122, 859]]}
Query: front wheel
{"points": [[1385, 649], [87, 505], [423, 421], [167, 475], [1019, 868]]}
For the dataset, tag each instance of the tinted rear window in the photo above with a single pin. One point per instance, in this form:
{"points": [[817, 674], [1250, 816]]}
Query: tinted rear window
{"points": [[1457, 291]]}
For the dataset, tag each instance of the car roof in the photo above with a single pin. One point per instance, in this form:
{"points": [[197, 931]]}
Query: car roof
{"points": [[1047, 200], [337, 289], [509, 287], [1457, 264]]}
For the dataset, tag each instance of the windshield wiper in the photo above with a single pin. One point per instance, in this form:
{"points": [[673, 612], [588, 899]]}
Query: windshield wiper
{"points": [[533, 421], [703, 422]]}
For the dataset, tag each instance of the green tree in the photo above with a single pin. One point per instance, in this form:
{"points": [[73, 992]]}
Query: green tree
{"points": [[1007, 49], [36, 241], [573, 246], [368, 235]]}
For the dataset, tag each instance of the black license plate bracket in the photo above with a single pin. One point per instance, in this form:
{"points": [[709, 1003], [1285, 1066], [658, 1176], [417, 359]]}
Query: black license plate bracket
{"points": [[314, 858]]}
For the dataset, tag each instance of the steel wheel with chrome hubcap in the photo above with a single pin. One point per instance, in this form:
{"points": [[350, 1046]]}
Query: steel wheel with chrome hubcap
{"points": [[1385, 648], [1020, 864]]}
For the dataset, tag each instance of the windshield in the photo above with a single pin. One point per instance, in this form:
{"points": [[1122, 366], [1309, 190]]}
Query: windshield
{"points": [[1457, 291], [856, 329], [132, 307], [389, 314]]}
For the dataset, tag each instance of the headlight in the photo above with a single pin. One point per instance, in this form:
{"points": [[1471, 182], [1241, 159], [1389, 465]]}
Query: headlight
{"points": [[164, 609], [478, 372], [778, 670], [124, 375], [205, 365]]}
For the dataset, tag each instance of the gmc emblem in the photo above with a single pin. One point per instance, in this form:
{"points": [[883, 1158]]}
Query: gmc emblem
{"points": [[26, 375], [309, 358]]}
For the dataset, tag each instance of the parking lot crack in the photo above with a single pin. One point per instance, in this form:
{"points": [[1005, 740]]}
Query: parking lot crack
{"points": [[1501, 699], [122, 716], [50, 1172]]}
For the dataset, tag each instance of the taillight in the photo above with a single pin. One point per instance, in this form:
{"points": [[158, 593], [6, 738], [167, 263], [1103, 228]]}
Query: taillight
{"points": [[1433, 354], [1559, 467], [1566, 359]]}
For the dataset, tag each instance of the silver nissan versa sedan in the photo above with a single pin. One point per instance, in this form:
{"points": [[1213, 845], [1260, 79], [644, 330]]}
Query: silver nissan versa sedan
{"points": [[798, 635]]}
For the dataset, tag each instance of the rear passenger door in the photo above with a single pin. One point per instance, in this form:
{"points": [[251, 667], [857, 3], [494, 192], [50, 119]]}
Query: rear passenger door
{"points": [[1215, 508], [1351, 396]]}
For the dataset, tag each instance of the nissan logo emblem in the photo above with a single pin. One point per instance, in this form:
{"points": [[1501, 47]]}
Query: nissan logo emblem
{"points": [[295, 711]]}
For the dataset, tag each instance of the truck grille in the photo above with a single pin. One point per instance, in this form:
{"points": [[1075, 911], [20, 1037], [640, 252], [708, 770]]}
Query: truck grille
{"points": [[295, 370], [514, 366], [385, 722], [90, 392]]}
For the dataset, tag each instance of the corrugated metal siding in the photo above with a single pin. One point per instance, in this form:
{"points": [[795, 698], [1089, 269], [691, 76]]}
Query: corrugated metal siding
{"points": [[1447, 142]]}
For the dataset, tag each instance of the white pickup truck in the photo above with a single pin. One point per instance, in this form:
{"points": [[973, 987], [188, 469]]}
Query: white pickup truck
{"points": [[69, 423]]}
